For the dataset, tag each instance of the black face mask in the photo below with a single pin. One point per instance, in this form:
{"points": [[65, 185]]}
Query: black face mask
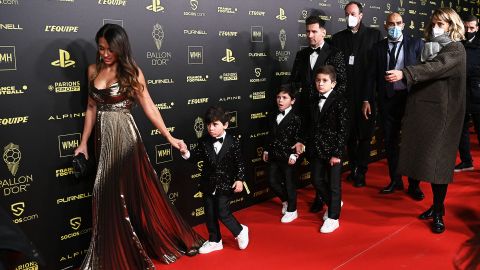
{"points": [[470, 35]]}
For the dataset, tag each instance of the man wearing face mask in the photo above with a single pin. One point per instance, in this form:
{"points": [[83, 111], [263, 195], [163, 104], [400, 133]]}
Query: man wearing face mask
{"points": [[356, 43], [472, 47], [394, 52]]}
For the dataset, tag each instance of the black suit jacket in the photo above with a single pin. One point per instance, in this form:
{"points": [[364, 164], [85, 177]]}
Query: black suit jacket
{"points": [[412, 49], [327, 133], [219, 171], [282, 136], [360, 45], [302, 76]]}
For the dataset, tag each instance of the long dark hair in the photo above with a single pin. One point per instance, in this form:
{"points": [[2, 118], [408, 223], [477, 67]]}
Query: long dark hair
{"points": [[127, 69]]}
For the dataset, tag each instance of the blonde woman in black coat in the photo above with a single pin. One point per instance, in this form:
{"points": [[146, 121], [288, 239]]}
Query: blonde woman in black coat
{"points": [[435, 109]]}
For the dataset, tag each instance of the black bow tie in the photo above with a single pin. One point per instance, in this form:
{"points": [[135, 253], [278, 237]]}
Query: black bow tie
{"points": [[320, 97], [214, 140], [315, 50], [281, 112]]}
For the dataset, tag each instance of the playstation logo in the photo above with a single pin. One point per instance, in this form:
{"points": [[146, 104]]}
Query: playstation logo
{"points": [[64, 60], [228, 56], [281, 16], [155, 6]]}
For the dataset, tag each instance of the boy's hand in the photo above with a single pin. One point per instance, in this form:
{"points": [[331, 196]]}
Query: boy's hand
{"points": [[366, 110], [334, 161], [292, 159], [299, 148], [265, 156], [237, 186]]}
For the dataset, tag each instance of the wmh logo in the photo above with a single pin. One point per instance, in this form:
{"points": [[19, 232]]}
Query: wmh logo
{"points": [[64, 59], [68, 143], [8, 61], [195, 55], [163, 153]]}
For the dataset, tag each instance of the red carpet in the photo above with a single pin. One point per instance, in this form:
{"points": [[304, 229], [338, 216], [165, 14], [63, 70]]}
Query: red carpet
{"points": [[376, 231]]}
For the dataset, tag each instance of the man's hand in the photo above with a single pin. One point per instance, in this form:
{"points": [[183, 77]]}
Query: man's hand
{"points": [[299, 148], [366, 110]]}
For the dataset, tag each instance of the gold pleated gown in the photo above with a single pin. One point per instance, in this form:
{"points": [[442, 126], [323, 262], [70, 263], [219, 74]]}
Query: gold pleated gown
{"points": [[133, 220]]}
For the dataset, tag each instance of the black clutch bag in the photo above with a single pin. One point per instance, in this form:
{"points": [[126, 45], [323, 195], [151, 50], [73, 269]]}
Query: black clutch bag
{"points": [[80, 166]]}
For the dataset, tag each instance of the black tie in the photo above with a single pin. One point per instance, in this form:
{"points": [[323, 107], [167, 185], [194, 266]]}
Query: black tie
{"points": [[391, 65], [322, 97], [281, 112], [315, 50], [391, 53], [218, 140]]}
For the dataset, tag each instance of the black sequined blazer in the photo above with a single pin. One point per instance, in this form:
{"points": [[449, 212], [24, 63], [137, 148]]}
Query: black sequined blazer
{"points": [[326, 134], [219, 172], [282, 137]]}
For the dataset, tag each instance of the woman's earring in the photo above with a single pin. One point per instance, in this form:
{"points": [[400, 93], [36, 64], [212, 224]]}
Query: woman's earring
{"points": [[100, 58]]}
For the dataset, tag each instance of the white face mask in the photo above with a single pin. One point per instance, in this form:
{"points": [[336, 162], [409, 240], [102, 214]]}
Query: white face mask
{"points": [[352, 21], [437, 31]]}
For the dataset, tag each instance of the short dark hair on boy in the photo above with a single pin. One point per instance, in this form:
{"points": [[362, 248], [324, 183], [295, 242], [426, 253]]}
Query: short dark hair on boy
{"points": [[315, 19], [216, 113], [328, 70], [287, 89]]}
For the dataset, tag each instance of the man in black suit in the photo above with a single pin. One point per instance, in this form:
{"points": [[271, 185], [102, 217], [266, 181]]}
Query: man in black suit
{"points": [[394, 52], [307, 61], [356, 43]]}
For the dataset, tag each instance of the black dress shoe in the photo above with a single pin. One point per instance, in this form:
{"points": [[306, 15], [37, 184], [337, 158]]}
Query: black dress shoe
{"points": [[429, 214], [438, 226], [317, 206], [416, 193], [391, 188], [359, 181]]}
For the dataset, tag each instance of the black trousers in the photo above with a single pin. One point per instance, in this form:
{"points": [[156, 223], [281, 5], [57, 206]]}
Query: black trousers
{"points": [[358, 150], [439, 193], [217, 207], [464, 146], [326, 180], [391, 113], [280, 177]]}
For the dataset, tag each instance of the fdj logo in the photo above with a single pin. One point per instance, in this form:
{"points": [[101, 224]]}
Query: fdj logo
{"points": [[75, 223], [18, 208], [155, 6], [228, 56], [64, 60]]}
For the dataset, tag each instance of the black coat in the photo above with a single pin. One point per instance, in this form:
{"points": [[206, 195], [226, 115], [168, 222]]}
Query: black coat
{"points": [[220, 171], [473, 74], [282, 137], [360, 45], [327, 133], [303, 76]]}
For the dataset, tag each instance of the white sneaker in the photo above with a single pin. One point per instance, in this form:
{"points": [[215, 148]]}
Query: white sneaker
{"points": [[284, 207], [242, 238], [289, 216], [330, 225], [208, 247], [325, 216]]}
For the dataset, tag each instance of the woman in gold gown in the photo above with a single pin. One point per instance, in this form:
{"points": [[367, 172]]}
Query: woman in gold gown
{"points": [[133, 220]]}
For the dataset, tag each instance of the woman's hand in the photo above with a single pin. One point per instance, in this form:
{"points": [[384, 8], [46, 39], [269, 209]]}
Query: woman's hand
{"points": [[177, 143], [82, 148], [237, 186]]}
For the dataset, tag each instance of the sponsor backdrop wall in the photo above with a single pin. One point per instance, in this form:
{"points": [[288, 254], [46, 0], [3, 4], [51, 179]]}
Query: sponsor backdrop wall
{"points": [[194, 53]]}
